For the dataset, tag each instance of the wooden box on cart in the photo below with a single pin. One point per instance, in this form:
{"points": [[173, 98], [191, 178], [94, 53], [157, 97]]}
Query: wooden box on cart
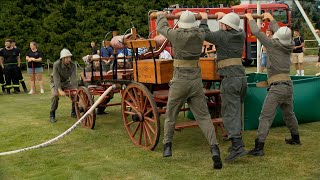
{"points": [[209, 69], [146, 71]]}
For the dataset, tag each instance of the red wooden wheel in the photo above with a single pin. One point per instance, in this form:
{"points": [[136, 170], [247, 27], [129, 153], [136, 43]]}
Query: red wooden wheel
{"points": [[140, 116], [83, 102]]}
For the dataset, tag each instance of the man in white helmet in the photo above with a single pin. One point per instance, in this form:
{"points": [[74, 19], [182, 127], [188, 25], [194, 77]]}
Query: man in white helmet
{"points": [[229, 41], [280, 90], [63, 77], [186, 84]]}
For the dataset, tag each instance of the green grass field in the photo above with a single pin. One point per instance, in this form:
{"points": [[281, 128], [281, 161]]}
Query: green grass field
{"points": [[107, 152]]}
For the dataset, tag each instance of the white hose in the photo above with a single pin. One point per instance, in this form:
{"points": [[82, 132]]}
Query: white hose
{"points": [[93, 107]]}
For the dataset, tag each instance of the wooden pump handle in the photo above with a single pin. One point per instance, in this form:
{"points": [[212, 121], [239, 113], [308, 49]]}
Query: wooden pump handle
{"points": [[198, 17]]}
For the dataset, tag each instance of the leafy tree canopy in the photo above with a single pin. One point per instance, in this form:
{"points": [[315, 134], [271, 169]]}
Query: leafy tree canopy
{"points": [[56, 24]]}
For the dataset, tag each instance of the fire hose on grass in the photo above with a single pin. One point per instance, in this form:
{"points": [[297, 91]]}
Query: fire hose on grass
{"points": [[93, 107]]}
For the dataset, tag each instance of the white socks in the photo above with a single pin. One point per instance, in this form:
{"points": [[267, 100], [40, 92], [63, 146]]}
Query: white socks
{"points": [[41, 91], [300, 73]]}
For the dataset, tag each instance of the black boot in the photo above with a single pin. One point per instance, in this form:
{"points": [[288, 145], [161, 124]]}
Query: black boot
{"points": [[294, 140], [3, 89], [237, 149], [215, 152], [8, 91], [167, 151], [16, 90], [100, 110], [258, 149], [24, 86], [53, 117], [73, 111]]}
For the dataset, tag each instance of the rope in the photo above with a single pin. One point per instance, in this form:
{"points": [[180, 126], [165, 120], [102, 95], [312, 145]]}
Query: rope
{"points": [[101, 98]]}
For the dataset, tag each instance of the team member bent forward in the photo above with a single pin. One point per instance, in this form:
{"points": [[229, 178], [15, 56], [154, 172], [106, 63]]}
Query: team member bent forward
{"points": [[63, 77]]}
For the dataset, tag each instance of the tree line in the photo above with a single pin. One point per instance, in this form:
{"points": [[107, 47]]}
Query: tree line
{"points": [[55, 24]]}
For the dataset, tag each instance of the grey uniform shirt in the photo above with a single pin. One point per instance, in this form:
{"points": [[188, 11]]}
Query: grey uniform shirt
{"points": [[229, 44], [64, 73], [186, 43], [278, 55]]}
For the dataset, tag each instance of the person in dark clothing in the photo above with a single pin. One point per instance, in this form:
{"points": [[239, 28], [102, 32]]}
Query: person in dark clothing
{"points": [[21, 79], [94, 49], [2, 82], [10, 60], [297, 53]]}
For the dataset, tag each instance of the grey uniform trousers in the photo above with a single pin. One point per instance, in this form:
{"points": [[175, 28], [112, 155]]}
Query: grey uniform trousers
{"points": [[55, 95], [278, 95], [233, 91], [186, 86]]}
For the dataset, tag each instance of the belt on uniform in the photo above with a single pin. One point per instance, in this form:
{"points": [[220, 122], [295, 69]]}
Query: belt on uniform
{"points": [[185, 63], [278, 77], [275, 80], [229, 62], [281, 82]]}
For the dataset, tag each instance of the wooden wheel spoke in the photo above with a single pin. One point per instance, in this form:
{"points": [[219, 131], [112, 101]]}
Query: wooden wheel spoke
{"points": [[148, 134], [146, 113], [129, 123], [144, 135], [145, 104], [129, 112], [131, 105], [140, 135], [135, 130], [133, 99], [136, 96], [150, 127], [149, 119], [141, 100]]}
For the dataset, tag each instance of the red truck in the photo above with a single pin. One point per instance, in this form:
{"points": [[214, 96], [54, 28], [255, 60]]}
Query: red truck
{"points": [[280, 12]]}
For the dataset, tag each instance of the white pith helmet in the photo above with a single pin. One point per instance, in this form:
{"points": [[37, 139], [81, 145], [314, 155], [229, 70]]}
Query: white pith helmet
{"points": [[65, 53], [187, 20], [231, 19], [284, 35]]}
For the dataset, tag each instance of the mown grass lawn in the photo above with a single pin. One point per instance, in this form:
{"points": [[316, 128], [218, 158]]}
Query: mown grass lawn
{"points": [[107, 152]]}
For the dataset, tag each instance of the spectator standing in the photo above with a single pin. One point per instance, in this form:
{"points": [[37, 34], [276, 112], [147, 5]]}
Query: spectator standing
{"points": [[269, 34], [35, 69], [318, 63], [94, 49], [21, 79], [10, 60], [297, 55], [2, 82]]}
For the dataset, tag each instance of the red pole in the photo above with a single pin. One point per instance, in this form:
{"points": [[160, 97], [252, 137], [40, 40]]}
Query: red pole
{"points": [[34, 78]]}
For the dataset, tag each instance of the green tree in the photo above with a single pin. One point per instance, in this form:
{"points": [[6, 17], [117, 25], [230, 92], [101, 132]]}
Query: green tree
{"points": [[55, 24]]}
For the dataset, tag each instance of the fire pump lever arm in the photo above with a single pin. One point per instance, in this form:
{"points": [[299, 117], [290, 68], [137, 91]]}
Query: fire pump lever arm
{"points": [[198, 17]]}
